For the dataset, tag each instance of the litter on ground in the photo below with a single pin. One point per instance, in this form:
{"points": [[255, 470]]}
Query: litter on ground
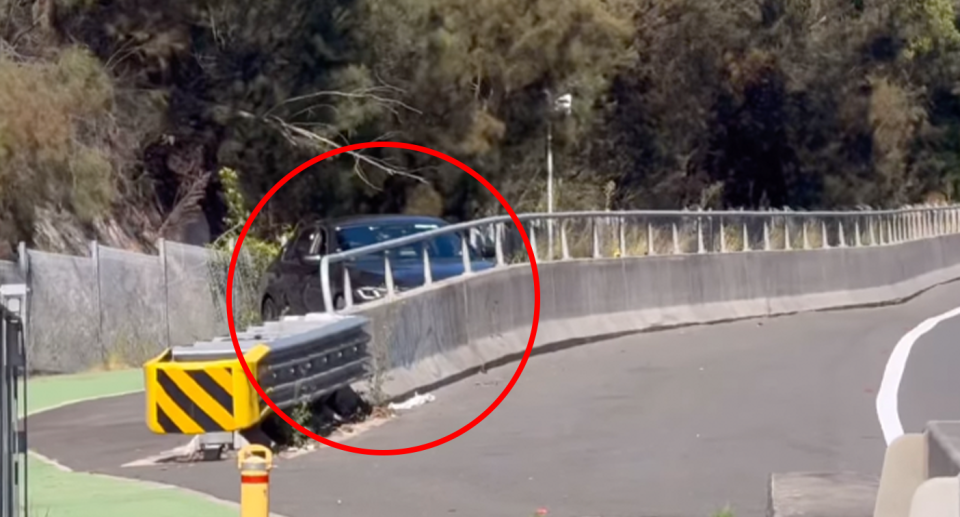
{"points": [[412, 402]]}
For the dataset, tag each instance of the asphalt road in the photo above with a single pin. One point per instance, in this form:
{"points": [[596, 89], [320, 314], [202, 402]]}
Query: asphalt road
{"points": [[677, 423]]}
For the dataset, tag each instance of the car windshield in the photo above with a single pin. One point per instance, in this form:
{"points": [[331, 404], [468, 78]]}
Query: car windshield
{"points": [[444, 246]]}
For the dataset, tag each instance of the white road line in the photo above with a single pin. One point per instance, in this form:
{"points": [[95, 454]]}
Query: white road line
{"points": [[888, 395]]}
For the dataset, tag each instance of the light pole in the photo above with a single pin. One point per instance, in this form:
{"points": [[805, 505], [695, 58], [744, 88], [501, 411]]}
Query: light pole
{"points": [[562, 105]]}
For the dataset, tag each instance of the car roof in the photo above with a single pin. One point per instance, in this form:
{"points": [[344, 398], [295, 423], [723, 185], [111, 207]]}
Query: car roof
{"points": [[341, 222]]}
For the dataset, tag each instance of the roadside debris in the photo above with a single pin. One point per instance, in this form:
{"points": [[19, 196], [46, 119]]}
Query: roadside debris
{"points": [[416, 400]]}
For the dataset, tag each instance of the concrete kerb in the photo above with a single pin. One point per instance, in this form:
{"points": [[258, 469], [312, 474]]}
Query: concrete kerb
{"points": [[454, 329]]}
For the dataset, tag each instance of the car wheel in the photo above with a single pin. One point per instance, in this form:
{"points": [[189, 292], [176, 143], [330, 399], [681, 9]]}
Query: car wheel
{"points": [[269, 310]]}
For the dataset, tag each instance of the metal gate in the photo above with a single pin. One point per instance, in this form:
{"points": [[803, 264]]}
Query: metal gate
{"points": [[13, 441]]}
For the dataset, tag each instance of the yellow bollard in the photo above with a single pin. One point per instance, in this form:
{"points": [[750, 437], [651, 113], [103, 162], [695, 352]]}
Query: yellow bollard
{"points": [[255, 462]]}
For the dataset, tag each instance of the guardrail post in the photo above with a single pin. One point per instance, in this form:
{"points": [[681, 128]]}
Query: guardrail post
{"points": [[700, 247], [427, 271], [325, 284], [348, 288], [498, 242], [873, 231], [623, 237], [465, 251], [255, 463], [746, 238], [857, 240], [388, 275], [651, 242], [766, 235], [824, 236], [564, 247], [676, 239], [533, 240], [596, 238], [549, 239], [806, 234], [841, 236], [723, 237], [786, 233]]}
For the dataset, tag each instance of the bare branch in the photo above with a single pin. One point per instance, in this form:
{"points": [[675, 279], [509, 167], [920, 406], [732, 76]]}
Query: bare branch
{"points": [[358, 170], [372, 93], [24, 32], [297, 136]]}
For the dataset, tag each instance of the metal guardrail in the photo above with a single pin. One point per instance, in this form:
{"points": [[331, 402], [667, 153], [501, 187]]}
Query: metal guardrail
{"points": [[605, 234], [13, 442], [202, 389]]}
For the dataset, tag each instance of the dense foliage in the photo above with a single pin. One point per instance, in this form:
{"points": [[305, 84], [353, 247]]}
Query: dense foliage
{"points": [[113, 105]]}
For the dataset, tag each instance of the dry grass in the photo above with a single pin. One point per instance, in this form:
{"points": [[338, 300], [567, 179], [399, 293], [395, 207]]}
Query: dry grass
{"points": [[60, 143]]}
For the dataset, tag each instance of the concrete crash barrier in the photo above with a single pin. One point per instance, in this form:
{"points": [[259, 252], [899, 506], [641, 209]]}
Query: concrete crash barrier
{"points": [[920, 474], [438, 333]]}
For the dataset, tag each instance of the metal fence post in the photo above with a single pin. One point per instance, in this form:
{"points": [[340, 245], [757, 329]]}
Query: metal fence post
{"points": [[95, 255], [13, 441], [162, 250]]}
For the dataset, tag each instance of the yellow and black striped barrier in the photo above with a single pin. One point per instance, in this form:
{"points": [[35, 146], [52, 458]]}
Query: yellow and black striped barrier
{"points": [[201, 397], [202, 388]]}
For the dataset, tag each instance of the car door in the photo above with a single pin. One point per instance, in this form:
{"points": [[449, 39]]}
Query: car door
{"points": [[295, 267]]}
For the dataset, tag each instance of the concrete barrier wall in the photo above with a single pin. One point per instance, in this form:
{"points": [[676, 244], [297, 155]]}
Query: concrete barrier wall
{"points": [[453, 328]]}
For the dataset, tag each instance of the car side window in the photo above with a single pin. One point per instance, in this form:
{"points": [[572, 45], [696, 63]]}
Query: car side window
{"points": [[301, 246]]}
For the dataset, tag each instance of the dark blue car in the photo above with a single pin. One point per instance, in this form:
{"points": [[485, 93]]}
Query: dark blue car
{"points": [[293, 285]]}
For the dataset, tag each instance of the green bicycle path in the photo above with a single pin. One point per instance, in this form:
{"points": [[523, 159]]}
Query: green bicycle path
{"points": [[53, 492]]}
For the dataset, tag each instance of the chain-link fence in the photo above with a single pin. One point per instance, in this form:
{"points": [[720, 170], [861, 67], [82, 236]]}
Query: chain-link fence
{"points": [[10, 273], [115, 308]]}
